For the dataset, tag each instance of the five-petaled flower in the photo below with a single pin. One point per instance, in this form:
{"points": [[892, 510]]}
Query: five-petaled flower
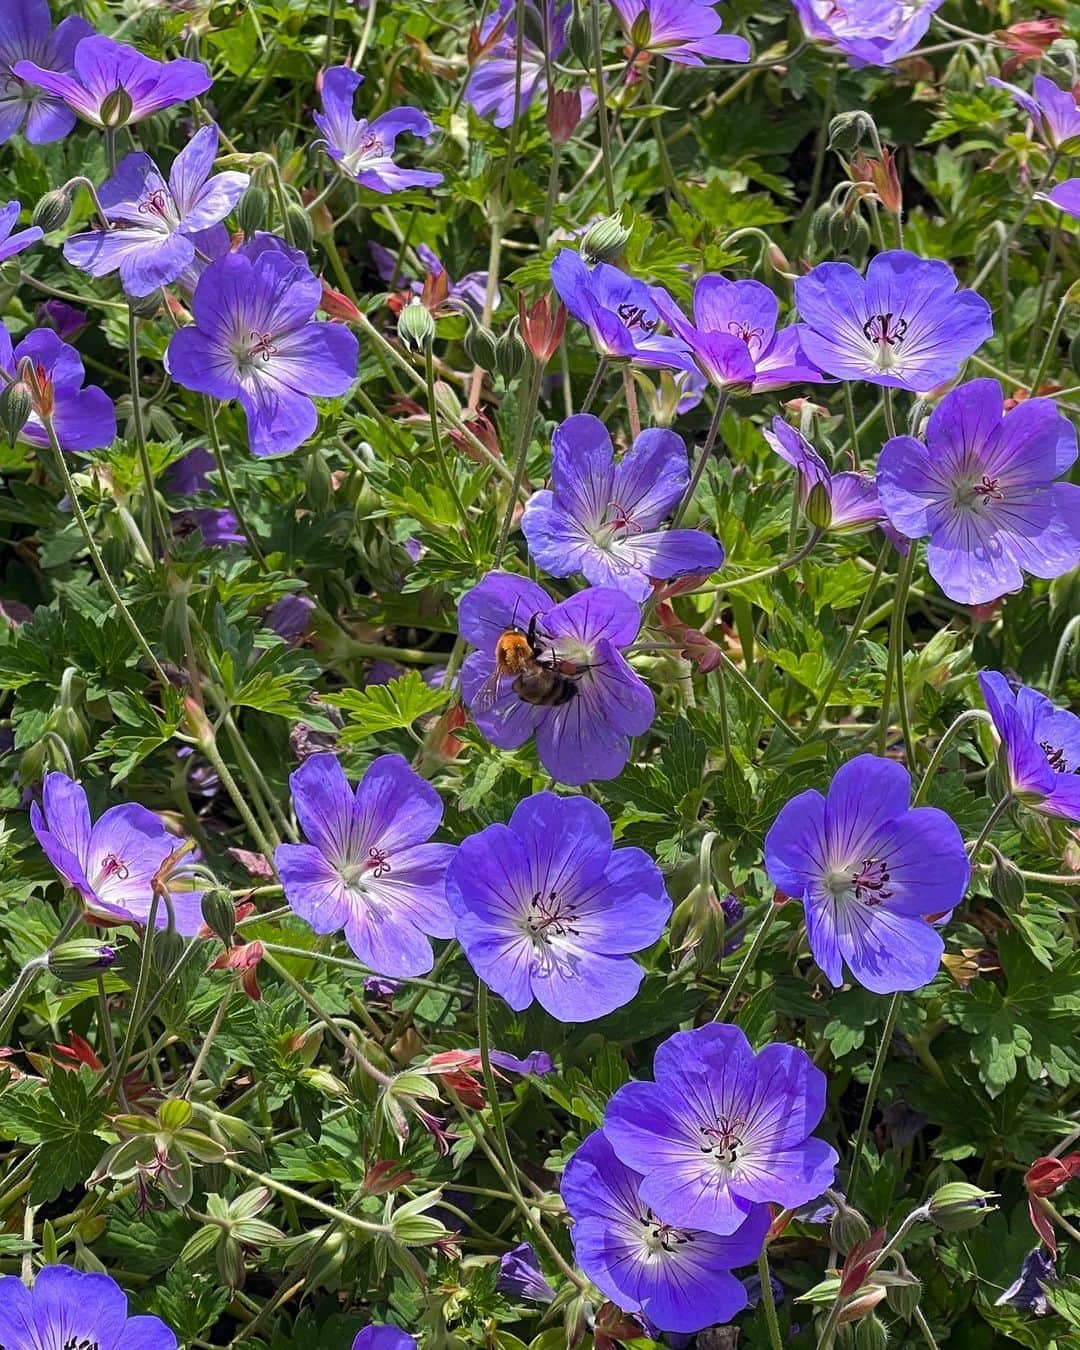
{"points": [[10, 244], [254, 339], [363, 150], [1053, 110], [162, 225], [82, 418], [869, 869], [603, 518], [845, 502], [70, 1309], [686, 34], [983, 488], [585, 702], [520, 1275], [494, 87], [868, 32], [114, 862], [27, 34], [668, 1271], [721, 1130], [368, 867], [618, 310], [547, 909], [113, 85], [734, 338], [1041, 743], [904, 325]]}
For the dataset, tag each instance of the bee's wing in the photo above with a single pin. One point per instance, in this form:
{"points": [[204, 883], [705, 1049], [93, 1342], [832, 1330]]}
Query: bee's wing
{"points": [[488, 692]]}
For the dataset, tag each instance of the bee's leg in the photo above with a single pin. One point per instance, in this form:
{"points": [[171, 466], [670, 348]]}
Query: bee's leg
{"points": [[567, 691]]}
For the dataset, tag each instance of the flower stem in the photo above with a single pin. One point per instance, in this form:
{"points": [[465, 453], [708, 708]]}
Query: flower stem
{"points": [[153, 505], [226, 483], [597, 380], [767, 1300], [763, 703], [849, 642], [532, 397], [988, 829], [699, 468], [1067, 639], [138, 999], [924, 1326], [601, 106], [338, 1215], [494, 1105], [871, 1094], [853, 426], [436, 440], [948, 736], [748, 961], [1051, 340], [896, 653], [208, 746]]}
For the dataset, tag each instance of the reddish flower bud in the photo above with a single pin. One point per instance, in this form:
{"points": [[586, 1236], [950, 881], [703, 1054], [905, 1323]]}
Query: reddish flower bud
{"points": [[386, 1176], [1045, 1176], [542, 329], [484, 431], [338, 306], [563, 114]]}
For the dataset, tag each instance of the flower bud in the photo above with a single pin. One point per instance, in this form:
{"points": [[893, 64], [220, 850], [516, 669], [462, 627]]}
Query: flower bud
{"points": [[1006, 884], [819, 228], [299, 222], [848, 234], [52, 210], [579, 42], [641, 31], [253, 209], [818, 508], [605, 240], [219, 913], [479, 344], [81, 959], [870, 1334], [959, 1205], [415, 327], [563, 114], [510, 352], [116, 108], [848, 1228], [848, 130], [903, 1297], [146, 306], [16, 405]]}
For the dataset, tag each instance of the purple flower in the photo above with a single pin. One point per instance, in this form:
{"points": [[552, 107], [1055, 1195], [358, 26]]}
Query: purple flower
{"points": [[1054, 111], [493, 85], [618, 311], [1065, 196], [368, 867], [602, 518], [64, 319], [733, 337], [752, 1285], [521, 1277], [83, 419], [10, 244], [848, 502], [290, 617], [382, 1336], [868, 32], [76, 1308], [113, 84], [537, 1062], [983, 488], [191, 475], [471, 290], [676, 1276], [869, 870], [1042, 746], [363, 150], [1028, 1291], [587, 734], [547, 909], [722, 1131], [687, 34], [904, 324], [26, 34], [254, 340], [161, 222], [112, 862]]}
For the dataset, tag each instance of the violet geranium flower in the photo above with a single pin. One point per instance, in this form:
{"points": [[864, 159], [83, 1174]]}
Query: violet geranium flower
{"points": [[67, 321], [687, 34], [82, 418], [733, 337], [69, 1307], [27, 34], [603, 518], [471, 290], [112, 862], [492, 88], [187, 477], [161, 223], [382, 1336], [1065, 196], [547, 909], [983, 488], [254, 340], [587, 734], [521, 1277], [1041, 744], [722, 1131], [368, 867], [868, 32], [675, 1275], [363, 150], [10, 244], [870, 870], [1053, 110], [618, 311], [113, 85], [846, 502], [1028, 1291], [904, 325]]}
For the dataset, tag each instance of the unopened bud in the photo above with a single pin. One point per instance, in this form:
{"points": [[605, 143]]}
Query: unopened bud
{"points": [[819, 228], [480, 344], [80, 959], [604, 241], [252, 211], [563, 114], [510, 352], [1007, 884], [116, 108], [579, 42], [16, 405], [870, 1334], [219, 913], [848, 1228], [904, 1298], [299, 223], [848, 234], [52, 210], [415, 326], [146, 306], [959, 1205], [848, 130], [641, 31], [818, 509]]}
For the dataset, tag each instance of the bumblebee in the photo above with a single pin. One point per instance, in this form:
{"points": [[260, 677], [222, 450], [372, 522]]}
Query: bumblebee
{"points": [[545, 683]]}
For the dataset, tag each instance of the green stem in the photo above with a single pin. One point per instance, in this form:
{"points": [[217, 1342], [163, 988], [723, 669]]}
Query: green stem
{"points": [[703, 459], [871, 1094], [552, 194], [494, 1105], [1066, 641], [25, 279], [854, 631], [924, 1326], [748, 961], [338, 1215], [948, 736], [597, 380], [758, 698], [436, 440], [153, 505], [767, 1300], [853, 426], [601, 106], [784, 565], [1051, 340], [226, 483], [208, 1039], [1014, 229], [138, 998], [896, 653], [988, 829], [208, 746], [532, 398]]}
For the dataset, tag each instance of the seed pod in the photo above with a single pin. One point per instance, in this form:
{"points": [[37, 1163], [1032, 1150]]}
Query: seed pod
{"points": [[52, 210], [16, 405], [415, 326], [510, 352], [252, 211], [219, 913], [81, 959], [146, 306], [870, 1334], [604, 241]]}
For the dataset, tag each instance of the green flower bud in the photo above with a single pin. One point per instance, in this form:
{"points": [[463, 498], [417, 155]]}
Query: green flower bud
{"points": [[819, 228], [16, 405], [510, 352], [415, 326], [870, 1334], [903, 1298], [1070, 146], [818, 508], [174, 1114], [1006, 884], [641, 31], [116, 108], [604, 241], [480, 344], [579, 41], [300, 224], [252, 211], [848, 130], [847, 1228], [848, 234], [81, 959], [146, 306], [52, 210], [219, 913], [959, 1205], [162, 424]]}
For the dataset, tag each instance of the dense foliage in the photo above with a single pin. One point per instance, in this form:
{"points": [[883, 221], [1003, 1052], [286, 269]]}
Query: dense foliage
{"points": [[540, 596]]}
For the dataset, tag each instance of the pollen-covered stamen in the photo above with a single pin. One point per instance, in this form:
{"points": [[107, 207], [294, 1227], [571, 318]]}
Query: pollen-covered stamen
{"points": [[80, 1343], [663, 1237], [550, 917], [114, 867], [378, 863], [154, 204], [749, 335], [633, 316], [870, 882], [886, 330], [723, 1140], [987, 488], [262, 345], [1056, 758]]}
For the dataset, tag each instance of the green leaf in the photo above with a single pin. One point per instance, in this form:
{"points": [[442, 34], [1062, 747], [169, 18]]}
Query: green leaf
{"points": [[387, 707]]}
